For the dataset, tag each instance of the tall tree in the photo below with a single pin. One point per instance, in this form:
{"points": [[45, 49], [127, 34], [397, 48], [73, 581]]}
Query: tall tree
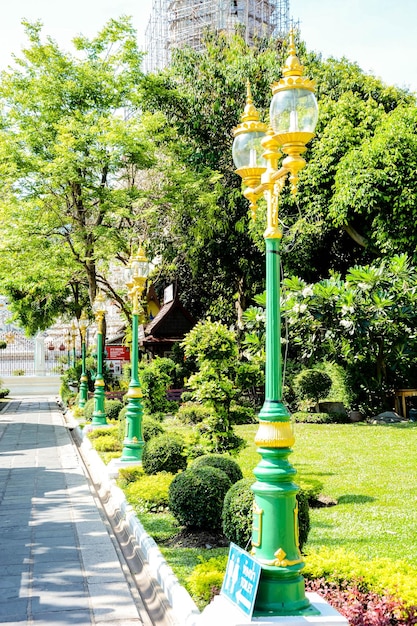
{"points": [[70, 146]]}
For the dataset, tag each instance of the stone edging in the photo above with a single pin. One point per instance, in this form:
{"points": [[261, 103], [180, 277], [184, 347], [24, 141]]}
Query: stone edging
{"points": [[178, 597]]}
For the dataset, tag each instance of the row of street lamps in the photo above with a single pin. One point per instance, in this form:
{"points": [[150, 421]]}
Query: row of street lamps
{"points": [[136, 274]]}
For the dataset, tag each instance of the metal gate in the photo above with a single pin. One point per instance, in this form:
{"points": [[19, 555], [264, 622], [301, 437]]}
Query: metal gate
{"points": [[24, 356]]}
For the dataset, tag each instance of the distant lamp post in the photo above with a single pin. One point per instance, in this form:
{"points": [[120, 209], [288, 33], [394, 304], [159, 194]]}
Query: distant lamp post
{"points": [[256, 154], [68, 342], [83, 397], [73, 340], [99, 415], [136, 275]]}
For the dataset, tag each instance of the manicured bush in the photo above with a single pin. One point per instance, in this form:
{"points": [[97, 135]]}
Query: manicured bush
{"points": [[312, 385], [4, 392], [112, 409], [238, 511], [225, 463], [194, 412], [149, 493], [304, 417], [163, 453], [196, 497]]}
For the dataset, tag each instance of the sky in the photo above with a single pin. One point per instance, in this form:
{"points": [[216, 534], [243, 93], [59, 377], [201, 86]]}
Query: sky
{"points": [[379, 35]]}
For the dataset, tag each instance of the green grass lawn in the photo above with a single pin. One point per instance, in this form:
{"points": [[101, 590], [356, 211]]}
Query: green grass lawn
{"points": [[371, 470]]}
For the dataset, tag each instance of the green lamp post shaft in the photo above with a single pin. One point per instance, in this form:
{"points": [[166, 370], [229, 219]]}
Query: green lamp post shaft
{"points": [[133, 441], [273, 381], [275, 523], [99, 415], [83, 380]]}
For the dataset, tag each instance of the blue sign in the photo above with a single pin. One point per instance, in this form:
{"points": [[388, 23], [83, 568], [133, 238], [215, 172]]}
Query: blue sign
{"points": [[241, 580]]}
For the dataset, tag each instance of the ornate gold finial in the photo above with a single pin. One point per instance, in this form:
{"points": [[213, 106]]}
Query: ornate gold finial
{"points": [[293, 72], [250, 116], [292, 65]]}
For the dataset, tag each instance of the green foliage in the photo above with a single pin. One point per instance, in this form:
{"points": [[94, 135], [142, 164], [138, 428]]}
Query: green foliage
{"points": [[214, 348], [241, 414], [164, 453], [229, 466], [380, 575], [149, 493], [196, 497], [210, 341], [155, 378], [312, 385], [306, 417], [107, 443], [128, 475], [4, 392], [217, 436], [89, 410], [112, 409], [194, 413], [66, 163], [364, 323], [3, 344], [104, 431], [237, 514], [206, 579], [150, 427]]}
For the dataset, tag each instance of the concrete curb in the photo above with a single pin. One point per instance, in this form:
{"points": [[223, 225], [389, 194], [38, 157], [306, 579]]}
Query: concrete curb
{"points": [[179, 599]]}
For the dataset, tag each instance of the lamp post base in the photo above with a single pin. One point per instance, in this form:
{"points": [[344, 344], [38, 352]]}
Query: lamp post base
{"points": [[222, 612]]}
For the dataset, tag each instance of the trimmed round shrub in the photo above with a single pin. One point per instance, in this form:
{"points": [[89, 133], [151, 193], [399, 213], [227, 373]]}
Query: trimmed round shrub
{"points": [[196, 497], [312, 385], [163, 453], [4, 392], [229, 466], [237, 514], [112, 409]]}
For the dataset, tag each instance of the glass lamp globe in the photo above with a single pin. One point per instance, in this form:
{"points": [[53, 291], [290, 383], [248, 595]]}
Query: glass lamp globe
{"points": [[294, 110]]}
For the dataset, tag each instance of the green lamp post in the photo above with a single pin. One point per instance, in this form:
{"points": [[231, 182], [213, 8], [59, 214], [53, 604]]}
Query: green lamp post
{"points": [[83, 396], [136, 275], [99, 415], [256, 154], [73, 334]]}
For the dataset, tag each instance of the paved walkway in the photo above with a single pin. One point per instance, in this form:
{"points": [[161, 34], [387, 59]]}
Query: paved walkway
{"points": [[58, 563]]}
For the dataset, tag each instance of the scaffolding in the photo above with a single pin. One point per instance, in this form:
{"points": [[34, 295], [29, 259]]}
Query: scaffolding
{"points": [[178, 23]]}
